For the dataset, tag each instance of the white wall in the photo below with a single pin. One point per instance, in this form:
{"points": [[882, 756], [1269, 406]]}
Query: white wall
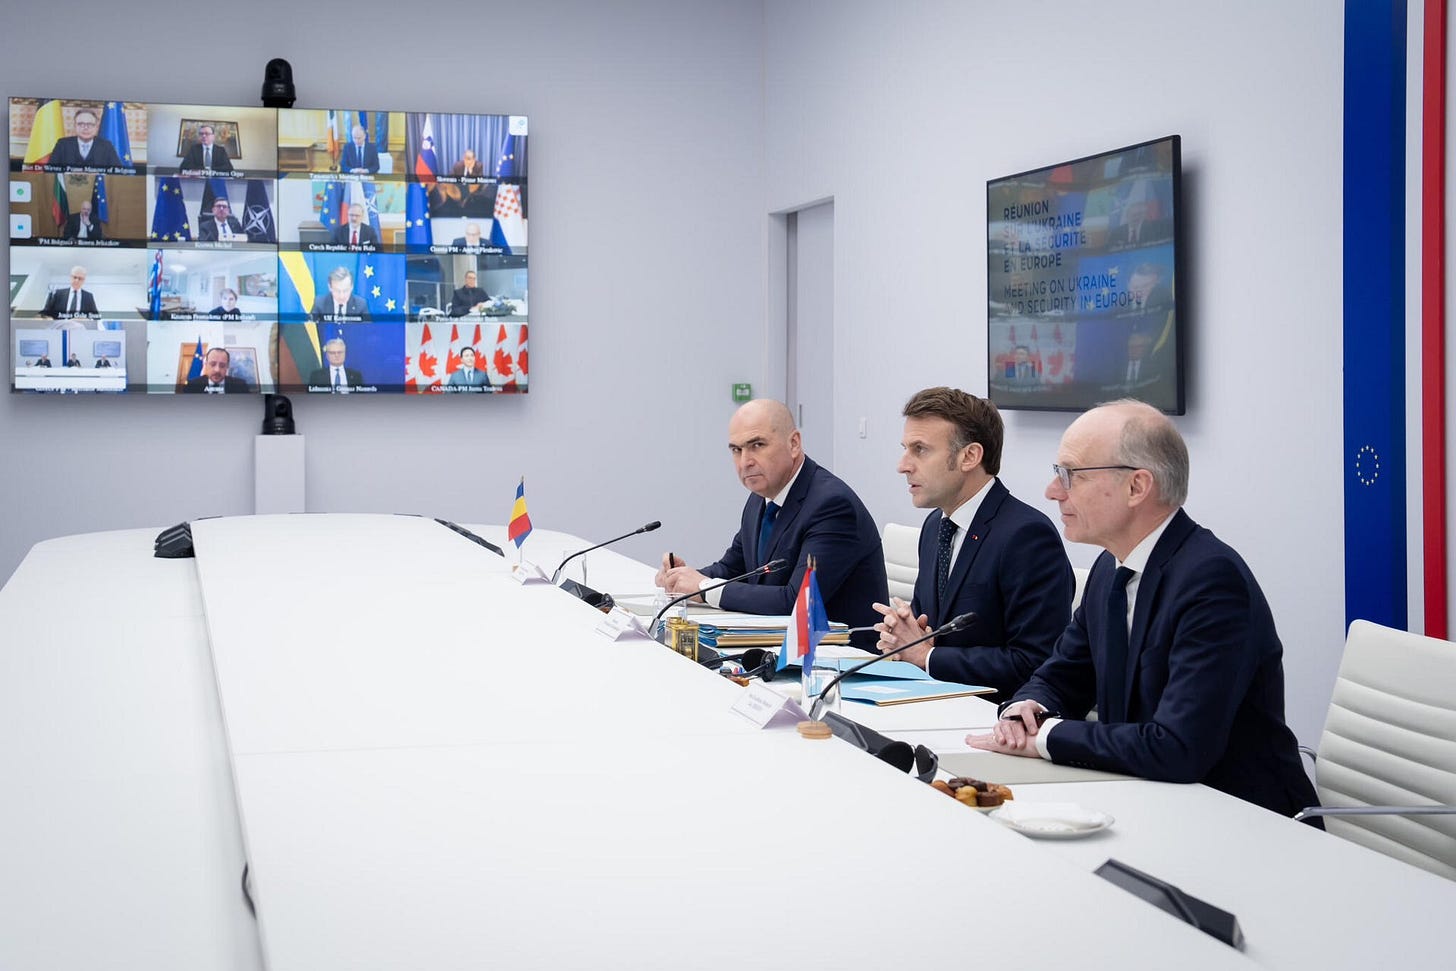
{"points": [[662, 132], [647, 272], [901, 112]]}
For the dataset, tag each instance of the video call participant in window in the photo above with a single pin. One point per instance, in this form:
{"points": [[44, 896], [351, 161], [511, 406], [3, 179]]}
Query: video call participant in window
{"points": [[214, 378], [340, 303], [1020, 370], [470, 198], [1174, 642], [797, 508], [82, 225], [356, 232], [204, 157], [85, 149], [468, 165], [1146, 294], [472, 239], [228, 309], [468, 376], [334, 377], [469, 298], [359, 156], [72, 301], [981, 550], [224, 226]]}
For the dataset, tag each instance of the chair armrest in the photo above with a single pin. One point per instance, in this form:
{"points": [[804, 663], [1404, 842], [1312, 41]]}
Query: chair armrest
{"points": [[1309, 753], [1375, 811]]}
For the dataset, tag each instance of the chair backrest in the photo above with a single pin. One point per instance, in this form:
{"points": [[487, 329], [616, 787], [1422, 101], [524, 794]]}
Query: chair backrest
{"points": [[1079, 574], [902, 558], [1390, 740]]}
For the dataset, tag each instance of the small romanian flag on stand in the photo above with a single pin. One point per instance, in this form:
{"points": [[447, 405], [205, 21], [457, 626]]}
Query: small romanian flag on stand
{"points": [[520, 525]]}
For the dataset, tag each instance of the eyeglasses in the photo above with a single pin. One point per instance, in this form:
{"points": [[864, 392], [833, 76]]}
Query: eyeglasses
{"points": [[1064, 473]]}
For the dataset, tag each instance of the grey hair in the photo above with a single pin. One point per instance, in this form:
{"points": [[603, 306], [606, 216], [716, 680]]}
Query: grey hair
{"points": [[1151, 441]]}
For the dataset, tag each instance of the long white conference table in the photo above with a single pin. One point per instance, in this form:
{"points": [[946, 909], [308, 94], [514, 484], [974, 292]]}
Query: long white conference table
{"points": [[428, 765]]}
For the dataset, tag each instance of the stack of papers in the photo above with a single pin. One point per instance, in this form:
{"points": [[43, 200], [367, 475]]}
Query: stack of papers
{"points": [[731, 631]]}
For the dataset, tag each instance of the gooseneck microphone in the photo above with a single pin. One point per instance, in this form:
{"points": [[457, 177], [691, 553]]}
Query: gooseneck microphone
{"points": [[954, 624], [772, 566], [641, 529]]}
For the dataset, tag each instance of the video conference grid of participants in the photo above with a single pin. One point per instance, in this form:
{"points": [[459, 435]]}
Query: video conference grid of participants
{"points": [[165, 249], [1080, 269]]}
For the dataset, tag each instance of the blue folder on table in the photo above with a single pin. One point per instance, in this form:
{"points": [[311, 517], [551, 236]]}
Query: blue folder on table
{"points": [[893, 691]]}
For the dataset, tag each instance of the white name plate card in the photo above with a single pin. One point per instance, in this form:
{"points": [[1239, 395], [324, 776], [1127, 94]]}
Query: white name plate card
{"points": [[621, 624], [526, 572], [766, 708]]}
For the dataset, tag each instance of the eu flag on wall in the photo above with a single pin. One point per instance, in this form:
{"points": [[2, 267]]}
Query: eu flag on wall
{"points": [[99, 208], [334, 208], [380, 279], [169, 221], [416, 216], [113, 129], [195, 371], [505, 166]]}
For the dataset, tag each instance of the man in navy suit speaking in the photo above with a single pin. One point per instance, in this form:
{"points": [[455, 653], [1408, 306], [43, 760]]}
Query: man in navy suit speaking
{"points": [[340, 303], [981, 550], [1173, 642], [797, 509]]}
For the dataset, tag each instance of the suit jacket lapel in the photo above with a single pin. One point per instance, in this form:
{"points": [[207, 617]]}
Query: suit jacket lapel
{"points": [[1147, 593], [793, 502], [971, 545]]}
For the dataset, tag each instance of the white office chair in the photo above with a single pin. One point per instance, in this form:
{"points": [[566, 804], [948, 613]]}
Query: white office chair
{"points": [[902, 558], [1079, 575], [1386, 766]]}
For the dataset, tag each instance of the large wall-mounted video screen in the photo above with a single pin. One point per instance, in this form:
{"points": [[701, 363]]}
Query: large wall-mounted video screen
{"points": [[1082, 271], [174, 248]]}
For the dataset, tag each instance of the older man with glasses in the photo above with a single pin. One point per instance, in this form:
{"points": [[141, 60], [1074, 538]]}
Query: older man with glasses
{"points": [[86, 149], [1173, 643]]}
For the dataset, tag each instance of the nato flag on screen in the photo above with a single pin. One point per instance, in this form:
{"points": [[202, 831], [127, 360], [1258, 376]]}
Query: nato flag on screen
{"points": [[258, 215]]}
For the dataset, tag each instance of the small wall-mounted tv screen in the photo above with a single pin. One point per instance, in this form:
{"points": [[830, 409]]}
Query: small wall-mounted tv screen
{"points": [[247, 250], [32, 348], [1083, 271]]}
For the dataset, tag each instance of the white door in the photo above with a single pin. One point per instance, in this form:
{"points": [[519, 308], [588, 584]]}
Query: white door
{"points": [[810, 317]]}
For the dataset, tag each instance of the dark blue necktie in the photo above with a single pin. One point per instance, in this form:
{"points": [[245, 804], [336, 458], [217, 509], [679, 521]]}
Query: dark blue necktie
{"points": [[1116, 674], [765, 529], [942, 557]]}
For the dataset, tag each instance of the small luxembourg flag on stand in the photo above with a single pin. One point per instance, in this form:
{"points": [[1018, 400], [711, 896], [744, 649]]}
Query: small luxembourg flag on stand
{"points": [[520, 525], [807, 627]]}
